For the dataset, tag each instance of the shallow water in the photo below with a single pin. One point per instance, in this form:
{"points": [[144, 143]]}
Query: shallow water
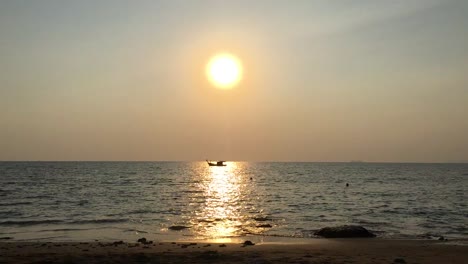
{"points": [[58, 201]]}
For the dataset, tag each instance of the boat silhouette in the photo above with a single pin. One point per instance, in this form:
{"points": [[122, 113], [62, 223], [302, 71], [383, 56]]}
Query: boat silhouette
{"points": [[216, 163]]}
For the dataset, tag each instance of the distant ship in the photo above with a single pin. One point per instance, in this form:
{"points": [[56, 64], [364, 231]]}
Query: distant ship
{"points": [[216, 163]]}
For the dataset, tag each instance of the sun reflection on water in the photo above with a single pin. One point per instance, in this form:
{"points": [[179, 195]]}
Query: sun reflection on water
{"points": [[223, 214]]}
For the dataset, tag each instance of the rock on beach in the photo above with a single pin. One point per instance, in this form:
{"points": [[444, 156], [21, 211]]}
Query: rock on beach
{"points": [[345, 231]]}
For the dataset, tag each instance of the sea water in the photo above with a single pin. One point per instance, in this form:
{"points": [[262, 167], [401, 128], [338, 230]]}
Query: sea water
{"points": [[82, 201]]}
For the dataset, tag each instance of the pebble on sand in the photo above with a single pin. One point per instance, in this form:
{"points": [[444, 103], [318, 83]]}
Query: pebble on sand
{"points": [[248, 243]]}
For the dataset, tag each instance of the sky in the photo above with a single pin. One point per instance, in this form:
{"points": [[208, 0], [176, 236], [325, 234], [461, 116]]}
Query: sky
{"points": [[370, 80]]}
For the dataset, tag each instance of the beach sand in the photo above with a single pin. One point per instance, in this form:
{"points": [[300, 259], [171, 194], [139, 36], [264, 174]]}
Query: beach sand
{"points": [[312, 251]]}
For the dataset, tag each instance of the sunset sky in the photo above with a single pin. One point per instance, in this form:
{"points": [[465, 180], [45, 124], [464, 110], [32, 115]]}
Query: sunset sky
{"points": [[322, 80]]}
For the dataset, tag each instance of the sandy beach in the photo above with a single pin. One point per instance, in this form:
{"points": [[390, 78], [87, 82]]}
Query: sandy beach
{"points": [[311, 251]]}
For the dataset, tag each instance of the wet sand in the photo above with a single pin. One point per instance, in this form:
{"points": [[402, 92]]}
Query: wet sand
{"points": [[313, 251]]}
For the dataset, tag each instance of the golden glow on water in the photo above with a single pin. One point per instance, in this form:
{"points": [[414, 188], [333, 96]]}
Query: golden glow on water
{"points": [[222, 215]]}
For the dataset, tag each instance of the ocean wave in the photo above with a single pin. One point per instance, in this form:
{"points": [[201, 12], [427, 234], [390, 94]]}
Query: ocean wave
{"points": [[29, 222], [462, 229], [10, 213], [99, 221], [136, 230], [13, 204], [370, 222], [194, 191], [142, 211], [44, 222], [42, 196], [61, 230]]}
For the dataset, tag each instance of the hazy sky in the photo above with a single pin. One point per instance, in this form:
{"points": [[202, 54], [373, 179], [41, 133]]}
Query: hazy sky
{"points": [[324, 80]]}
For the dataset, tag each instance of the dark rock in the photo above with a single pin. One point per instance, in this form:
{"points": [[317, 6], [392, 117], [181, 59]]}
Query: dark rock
{"points": [[177, 228], [222, 245], [399, 260], [143, 241], [344, 232], [261, 219], [265, 225], [248, 243], [118, 243], [6, 238], [441, 238]]}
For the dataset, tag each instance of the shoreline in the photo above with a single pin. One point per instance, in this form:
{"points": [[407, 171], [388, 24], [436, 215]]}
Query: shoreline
{"points": [[351, 250], [264, 239]]}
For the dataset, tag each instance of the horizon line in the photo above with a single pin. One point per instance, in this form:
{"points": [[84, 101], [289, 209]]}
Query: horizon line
{"points": [[252, 161]]}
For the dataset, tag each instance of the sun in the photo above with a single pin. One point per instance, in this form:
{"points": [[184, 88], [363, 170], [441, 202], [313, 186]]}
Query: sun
{"points": [[224, 70]]}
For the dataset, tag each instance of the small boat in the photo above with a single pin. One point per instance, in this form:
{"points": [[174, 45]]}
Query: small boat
{"points": [[216, 163]]}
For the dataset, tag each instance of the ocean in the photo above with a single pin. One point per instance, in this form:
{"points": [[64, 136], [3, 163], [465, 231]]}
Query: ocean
{"points": [[87, 201]]}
